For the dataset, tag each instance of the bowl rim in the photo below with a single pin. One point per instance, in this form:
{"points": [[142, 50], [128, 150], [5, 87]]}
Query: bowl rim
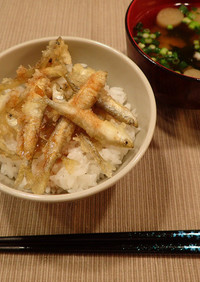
{"points": [[110, 181], [141, 52]]}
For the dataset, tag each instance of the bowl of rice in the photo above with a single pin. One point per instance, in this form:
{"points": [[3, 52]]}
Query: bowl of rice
{"points": [[76, 116]]}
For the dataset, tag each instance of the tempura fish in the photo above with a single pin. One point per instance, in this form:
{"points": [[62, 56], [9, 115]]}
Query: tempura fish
{"points": [[51, 152], [64, 130], [104, 131], [89, 147], [78, 76], [117, 110], [30, 122], [88, 94], [50, 110]]}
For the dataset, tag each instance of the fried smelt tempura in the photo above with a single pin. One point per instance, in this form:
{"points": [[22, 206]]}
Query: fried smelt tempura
{"points": [[88, 94], [103, 131], [45, 106], [64, 130], [77, 77], [117, 110], [51, 152], [30, 122]]}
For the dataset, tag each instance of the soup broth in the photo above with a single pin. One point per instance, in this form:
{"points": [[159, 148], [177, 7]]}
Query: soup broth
{"points": [[174, 47]]}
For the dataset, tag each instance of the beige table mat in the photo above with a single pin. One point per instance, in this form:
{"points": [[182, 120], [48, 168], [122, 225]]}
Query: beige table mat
{"points": [[162, 192]]}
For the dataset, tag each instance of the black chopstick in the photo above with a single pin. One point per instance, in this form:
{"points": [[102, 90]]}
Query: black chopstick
{"points": [[145, 242]]}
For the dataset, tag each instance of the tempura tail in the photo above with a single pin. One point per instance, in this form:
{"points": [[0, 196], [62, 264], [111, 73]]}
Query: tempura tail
{"points": [[24, 172], [55, 54], [51, 152], [22, 76], [88, 146]]}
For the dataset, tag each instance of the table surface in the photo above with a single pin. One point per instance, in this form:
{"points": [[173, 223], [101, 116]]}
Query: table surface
{"points": [[161, 193]]}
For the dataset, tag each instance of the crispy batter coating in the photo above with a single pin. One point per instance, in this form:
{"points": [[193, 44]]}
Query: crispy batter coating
{"points": [[45, 105]]}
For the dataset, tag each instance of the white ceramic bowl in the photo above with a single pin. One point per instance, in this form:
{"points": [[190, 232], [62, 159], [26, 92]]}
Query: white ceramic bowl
{"points": [[122, 72]]}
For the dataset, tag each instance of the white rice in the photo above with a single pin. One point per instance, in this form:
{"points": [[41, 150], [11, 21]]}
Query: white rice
{"points": [[86, 173]]}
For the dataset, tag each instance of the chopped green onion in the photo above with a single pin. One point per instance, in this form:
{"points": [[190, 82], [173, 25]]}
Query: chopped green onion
{"points": [[170, 27], [139, 34], [194, 25], [191, 15], [176, 61], [152, 35], [196, 42], [196, 46], [183, 9], [164, 63], [163, 51], [145, 35], [157, 50], [175, 54], [141, 45], [155, 42], [194, 8], [148, 40], [139, 26], [152, 46], [147, 50], [186, 20], [183, 65], [149, 43], [157, 33], [142, 40]]}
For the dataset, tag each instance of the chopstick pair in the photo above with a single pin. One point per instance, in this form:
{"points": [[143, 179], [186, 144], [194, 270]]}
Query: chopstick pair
{"points": [[145, 242]]}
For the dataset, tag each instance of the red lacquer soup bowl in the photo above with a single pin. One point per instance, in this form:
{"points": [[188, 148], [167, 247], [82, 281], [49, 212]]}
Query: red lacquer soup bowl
{"points": [[170, 88]]}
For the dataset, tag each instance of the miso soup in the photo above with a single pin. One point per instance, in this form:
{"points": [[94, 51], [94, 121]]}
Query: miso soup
{"points": [[173, 39]]}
